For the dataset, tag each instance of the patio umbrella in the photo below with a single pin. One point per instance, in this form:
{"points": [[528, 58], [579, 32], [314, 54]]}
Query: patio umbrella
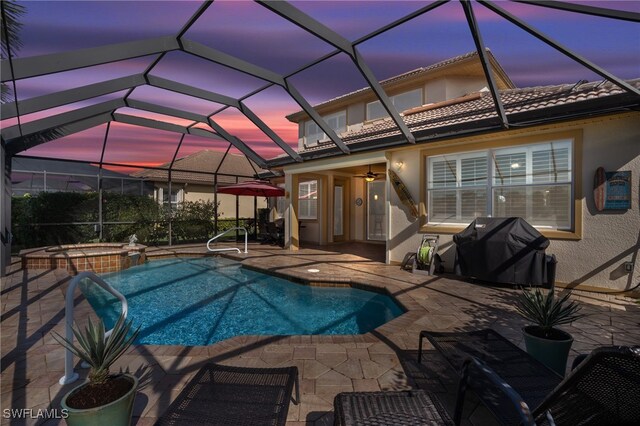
{"points": [[255, 188]]}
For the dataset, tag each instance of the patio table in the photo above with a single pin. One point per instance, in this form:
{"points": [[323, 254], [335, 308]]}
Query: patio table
{"points": [[526, 375]]}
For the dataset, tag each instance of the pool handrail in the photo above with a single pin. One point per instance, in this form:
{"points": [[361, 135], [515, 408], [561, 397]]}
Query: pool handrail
{"points": [[69, 375], [239, 228]]}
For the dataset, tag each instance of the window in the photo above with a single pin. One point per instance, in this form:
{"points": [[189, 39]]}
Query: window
{"points": [[314, 134], [176, 195], [308, 200], [401, 102], [530, 181]]}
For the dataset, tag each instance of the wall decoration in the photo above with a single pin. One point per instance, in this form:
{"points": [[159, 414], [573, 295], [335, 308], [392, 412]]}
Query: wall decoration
{"points": [[612, 190], [358, 201], [403, 193]]}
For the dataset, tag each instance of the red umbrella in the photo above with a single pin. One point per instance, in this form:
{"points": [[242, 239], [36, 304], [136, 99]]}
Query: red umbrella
{"points": [[254, 188]]}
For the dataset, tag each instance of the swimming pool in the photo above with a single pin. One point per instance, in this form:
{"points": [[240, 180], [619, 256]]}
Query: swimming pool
{"points": [[205, 300]]}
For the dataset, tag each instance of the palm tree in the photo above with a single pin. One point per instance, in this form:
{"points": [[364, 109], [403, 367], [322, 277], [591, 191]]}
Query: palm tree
{"points": [[10, 42], [10, 26]]}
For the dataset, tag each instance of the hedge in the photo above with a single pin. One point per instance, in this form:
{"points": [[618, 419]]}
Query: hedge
{"points": [[35, 218]]}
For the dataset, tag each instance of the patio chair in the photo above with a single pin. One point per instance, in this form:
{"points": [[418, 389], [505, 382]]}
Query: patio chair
{"points": [[223, 395], [528, 376], [417, 407], [603, 389]]}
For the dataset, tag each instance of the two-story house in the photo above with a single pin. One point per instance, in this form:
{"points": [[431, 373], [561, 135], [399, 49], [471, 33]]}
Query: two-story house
{"points": [[466, 163]]}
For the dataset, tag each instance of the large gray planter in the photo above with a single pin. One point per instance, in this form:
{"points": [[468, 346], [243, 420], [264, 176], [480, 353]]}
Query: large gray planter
{"points": [[117, 412], [551, 352]]}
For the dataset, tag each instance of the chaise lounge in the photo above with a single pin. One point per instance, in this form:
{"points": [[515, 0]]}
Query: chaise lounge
{"points": [[224, 395], [604, 388]]}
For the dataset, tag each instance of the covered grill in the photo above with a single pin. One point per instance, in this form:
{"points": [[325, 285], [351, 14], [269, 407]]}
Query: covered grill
{"points": [[504, 250]]}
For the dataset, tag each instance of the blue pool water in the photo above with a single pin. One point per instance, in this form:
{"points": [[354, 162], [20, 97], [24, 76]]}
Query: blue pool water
{"points": [[206, 300]]}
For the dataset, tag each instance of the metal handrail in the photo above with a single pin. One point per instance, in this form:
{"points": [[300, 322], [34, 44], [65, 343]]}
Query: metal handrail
{"points": [[239, 228], [69, 375]]}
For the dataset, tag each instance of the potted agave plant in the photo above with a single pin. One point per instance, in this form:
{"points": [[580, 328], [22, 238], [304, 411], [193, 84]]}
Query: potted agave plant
{"points": [[105, 399], [543, 340]]}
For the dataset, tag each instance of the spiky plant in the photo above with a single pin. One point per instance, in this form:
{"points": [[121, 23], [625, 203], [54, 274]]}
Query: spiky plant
{"points": [[546, 311], [98, 351]]}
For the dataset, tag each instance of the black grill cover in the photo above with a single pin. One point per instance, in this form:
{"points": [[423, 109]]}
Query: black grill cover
{"points": [[502, 250]]}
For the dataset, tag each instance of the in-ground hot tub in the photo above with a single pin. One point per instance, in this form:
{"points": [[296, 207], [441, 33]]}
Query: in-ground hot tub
{"points": [[75, 258]]}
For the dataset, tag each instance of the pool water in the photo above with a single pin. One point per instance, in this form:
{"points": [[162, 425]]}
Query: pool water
{"points": [[206, 300]]}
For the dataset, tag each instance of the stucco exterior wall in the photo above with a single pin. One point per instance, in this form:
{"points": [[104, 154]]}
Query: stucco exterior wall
{"points": [[609, 238], [227, 208], [460, 86]]}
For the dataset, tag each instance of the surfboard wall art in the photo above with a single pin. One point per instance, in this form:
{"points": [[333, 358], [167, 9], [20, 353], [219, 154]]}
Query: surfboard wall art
{"points": [[612, 190], [403, 193]]}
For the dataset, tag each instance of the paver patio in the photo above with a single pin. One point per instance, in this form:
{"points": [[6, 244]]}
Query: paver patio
{"points": [[33, 307]]}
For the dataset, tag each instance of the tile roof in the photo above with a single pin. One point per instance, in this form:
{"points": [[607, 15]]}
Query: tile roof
{"points": [[531, 101], [185, 169]]}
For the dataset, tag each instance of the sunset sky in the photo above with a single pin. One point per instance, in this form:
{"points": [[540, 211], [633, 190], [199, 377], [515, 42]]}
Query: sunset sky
{"points": [[251, 32]]}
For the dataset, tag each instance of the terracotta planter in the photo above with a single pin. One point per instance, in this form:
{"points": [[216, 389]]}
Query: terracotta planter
{"points": [[551, 352], [118, 412]]}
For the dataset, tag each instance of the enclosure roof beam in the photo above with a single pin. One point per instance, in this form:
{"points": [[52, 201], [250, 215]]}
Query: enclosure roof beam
{"points": [[29, 141], [400, 21], [196, 92], [63, 119], [593, 67], [237, 64], [302, 101], [53, 100], [309, 24], [147, 106], [585, 9], [241, 146], [484, 60], [229, 61], [57, 62], [152, 124], [225, 100], [160, 125], [375, 85], [267, 131]]}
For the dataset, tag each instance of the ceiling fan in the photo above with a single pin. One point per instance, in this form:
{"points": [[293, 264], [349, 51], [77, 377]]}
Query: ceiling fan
{"points": [[370, 176]]}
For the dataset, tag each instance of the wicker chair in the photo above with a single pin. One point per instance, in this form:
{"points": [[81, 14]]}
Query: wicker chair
{"points": [[417, 407], [529, 377], [604, 389], [222, 395]]}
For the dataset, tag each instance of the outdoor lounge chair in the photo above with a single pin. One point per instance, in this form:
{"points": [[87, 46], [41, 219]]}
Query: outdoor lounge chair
{"points": [[417, 407], [604, 389], [528, 376], [223, 395]]}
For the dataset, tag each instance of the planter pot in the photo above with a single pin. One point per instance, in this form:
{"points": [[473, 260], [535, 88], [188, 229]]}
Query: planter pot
{"points": [[118, 412], [551, 352]]}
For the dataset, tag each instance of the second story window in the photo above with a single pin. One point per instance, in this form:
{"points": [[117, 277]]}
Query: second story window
{"points": [[314, 134], [401, 101]]}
